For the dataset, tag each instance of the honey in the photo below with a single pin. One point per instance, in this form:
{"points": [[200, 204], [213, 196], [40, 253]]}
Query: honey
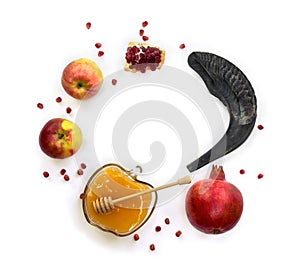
{"points": [[128, 215]]}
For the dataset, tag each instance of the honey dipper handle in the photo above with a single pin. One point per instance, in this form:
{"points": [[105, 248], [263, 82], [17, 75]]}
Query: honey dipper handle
{"points": [[184, 180]]}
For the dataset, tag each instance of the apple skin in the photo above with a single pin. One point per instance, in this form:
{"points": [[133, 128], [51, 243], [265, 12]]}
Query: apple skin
{"points": [[82, 78], [60, 138]]}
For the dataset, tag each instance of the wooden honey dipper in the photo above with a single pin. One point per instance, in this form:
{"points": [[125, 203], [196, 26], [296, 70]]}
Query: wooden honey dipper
{"points": [[105, 204]]}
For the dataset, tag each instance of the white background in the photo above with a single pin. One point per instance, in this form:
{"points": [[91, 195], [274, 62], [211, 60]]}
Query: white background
{"points": [[42, 227]]}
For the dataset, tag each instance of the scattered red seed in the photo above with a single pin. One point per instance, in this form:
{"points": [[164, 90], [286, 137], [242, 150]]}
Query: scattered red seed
{"points": [[167, 221], [45, 174], [152, 247], [142, 32], [63, 171], [83, 165], [178, 233], [66, 178], [81, 196], [145, 38], [260, 176], [100, 53], [58, 99], [136, 237], [40, 105], [98, 45], [182, 46], [144, 24], [68, 110], [114, 82], [88, 25], [242, 171], [158, 229], [260, 127], [80, 172]]}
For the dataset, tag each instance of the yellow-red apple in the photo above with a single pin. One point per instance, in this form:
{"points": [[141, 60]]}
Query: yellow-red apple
{"points": [[60, 138], [82, 78]]}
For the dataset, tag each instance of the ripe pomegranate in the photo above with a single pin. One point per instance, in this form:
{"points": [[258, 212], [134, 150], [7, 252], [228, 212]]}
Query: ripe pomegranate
{"points": [[213, 205]]}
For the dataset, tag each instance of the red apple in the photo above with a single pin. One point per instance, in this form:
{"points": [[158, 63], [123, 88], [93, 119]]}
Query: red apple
{"points": [[60, 138], [82, 78], [214, 205]]}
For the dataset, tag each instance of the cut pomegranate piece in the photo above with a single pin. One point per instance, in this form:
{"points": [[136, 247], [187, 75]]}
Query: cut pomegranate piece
{"points": [[142, 57]]}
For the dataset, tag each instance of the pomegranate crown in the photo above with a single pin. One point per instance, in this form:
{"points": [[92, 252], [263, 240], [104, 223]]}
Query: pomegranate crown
{"points": [[217, 172]]}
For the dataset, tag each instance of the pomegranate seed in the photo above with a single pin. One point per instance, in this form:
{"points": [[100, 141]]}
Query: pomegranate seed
{"points": [[158, 229], [58, 99], [81, 196], [82, 165], [144, 24], [152, 247], [68, 110], [260, 127], [260, 176], [142, 32], [98, 45], [45, 174], [66, 178], [178, 233], [182, 46], [167, 221], [40, 105], [114, 82], [63, 171], [100, 53], [88, 25], [136, 237], [80, 172], [145, 38], [242, 171]]}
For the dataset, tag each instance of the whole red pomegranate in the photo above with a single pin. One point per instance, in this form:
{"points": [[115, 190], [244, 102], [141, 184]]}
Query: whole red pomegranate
{"points": [[214, 205]]}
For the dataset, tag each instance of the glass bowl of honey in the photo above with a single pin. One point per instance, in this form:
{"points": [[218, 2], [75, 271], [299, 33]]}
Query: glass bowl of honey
{"points": [[123, 216]]}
